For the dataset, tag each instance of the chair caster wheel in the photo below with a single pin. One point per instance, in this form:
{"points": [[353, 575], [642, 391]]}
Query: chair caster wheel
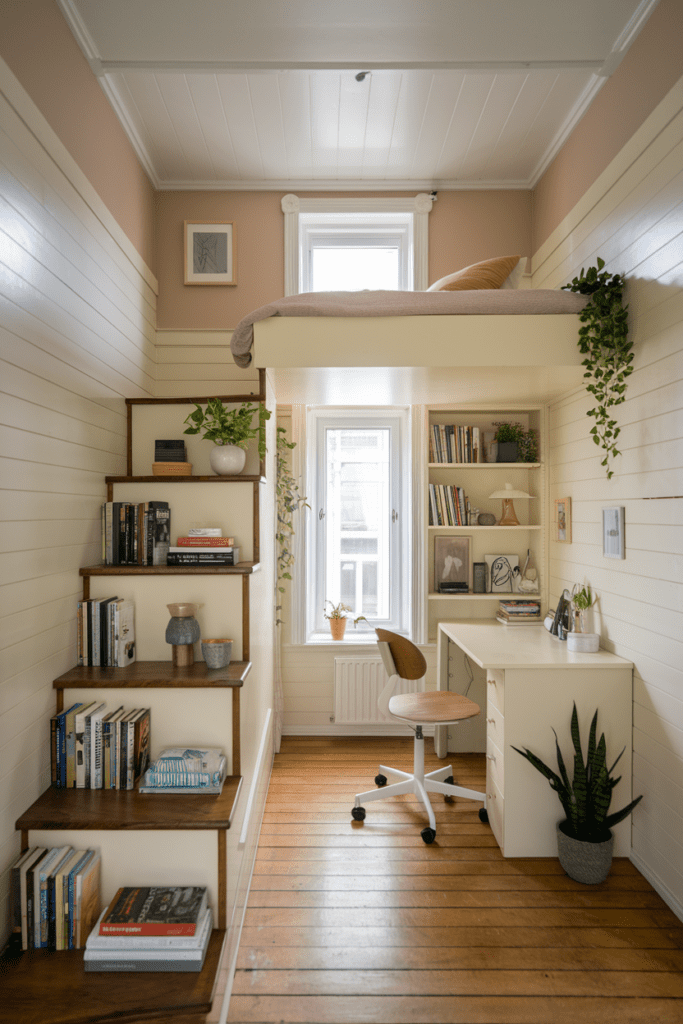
{"points": [[483, 815], [358, 813], [450, 781], [380, 780], [428, 835]]}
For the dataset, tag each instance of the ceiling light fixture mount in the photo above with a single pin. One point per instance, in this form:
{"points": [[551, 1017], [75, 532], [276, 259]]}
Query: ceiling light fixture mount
{"points": [[362, 75]]}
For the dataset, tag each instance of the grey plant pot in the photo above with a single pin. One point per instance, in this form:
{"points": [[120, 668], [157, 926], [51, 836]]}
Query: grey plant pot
{"points": [[588, 863], [508, 451]]}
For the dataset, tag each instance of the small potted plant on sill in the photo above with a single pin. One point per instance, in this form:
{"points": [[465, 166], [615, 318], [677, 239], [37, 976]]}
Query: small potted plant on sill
{"points": [[584, 839], [231, 430], [580, 639], [515, 444], [337, 619]]}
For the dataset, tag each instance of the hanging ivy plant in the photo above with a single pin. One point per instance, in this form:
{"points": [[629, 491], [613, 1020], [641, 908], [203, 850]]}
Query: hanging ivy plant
{"points": [[603, 339], [288, 501]]}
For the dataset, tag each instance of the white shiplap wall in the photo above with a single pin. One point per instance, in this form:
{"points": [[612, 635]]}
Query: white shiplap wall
{"points": [[633, 218], [77, 324]]}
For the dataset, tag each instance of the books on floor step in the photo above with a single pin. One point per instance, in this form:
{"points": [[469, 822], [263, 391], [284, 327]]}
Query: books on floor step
{"points": [[92, 748], [54, 896], [155, 910], [149, 952], [186, 770]]}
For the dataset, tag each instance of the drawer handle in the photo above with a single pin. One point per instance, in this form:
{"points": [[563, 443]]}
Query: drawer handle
{"points": [[490, 796]]}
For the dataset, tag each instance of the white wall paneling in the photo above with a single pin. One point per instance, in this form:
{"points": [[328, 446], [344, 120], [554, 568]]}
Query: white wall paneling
{"points": [[631, 217]]}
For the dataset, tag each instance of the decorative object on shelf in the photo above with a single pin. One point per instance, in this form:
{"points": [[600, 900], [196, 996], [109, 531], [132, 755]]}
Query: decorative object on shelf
{"points": [[580, 639], [584, 839], [209, 253], [217, 653], [171, 469], [479, 577], [563, 520], [170, 450], [613, 545], [562, 616], [452, 562], [182, 632], [231, 430], [337, 619], [486, 519], [503, 573], [509, 517], [603, 340], [515, 444], [528, 580]]}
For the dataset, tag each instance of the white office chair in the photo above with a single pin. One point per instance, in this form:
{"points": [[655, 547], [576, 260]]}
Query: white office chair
{"points": [[403, 660]]}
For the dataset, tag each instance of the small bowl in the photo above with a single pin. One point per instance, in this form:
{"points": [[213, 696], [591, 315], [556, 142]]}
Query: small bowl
{"points": [[217, 653]]}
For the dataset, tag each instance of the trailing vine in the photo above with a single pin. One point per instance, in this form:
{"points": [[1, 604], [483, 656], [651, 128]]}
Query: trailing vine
{"points": [[288, 501], [609, 356]]}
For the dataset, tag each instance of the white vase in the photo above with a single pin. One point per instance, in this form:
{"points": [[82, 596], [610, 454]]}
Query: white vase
{"points": [[227, 459]]}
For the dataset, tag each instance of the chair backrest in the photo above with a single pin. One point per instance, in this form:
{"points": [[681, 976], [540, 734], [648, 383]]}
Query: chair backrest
{"points": [[409, 662]]}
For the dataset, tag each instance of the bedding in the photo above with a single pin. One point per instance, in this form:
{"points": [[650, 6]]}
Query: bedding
{"points": [[493, 273], [488, 302]]}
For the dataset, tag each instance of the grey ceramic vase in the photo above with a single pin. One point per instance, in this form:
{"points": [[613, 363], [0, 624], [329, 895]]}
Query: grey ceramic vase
{"points": [[588, 863]]}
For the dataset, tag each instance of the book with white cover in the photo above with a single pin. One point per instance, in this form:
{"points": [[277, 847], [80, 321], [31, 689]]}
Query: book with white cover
{"points": [[159, 945]]}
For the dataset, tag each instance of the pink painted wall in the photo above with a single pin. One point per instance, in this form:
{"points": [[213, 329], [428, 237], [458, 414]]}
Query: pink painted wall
{"points": [[38, 46], [464, 227], [649, 70]]}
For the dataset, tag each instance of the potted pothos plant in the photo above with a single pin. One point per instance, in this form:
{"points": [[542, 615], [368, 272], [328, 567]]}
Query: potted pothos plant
{"points": [[337, 619], [584, 839], [231, 430], [603, 340], [515, 444]]}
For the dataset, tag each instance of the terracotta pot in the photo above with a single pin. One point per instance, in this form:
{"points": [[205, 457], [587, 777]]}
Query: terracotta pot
{"points": [[337, 628]]}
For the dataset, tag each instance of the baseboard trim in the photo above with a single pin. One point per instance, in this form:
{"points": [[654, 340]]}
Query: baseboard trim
{"points": [[657, 884], [351, 730]]}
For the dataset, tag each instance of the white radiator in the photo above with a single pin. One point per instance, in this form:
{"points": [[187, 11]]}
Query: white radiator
{"points": [[358, 683]]}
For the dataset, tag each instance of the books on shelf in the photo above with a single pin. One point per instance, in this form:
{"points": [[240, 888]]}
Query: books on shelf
{"points": [[135, 534], [200, 541], [105, 632], [186, 770], [155, 910], [54, 896], [519, 613], [448, 506], [95, 749], [203, 556], [148, 952], [449, 442]]}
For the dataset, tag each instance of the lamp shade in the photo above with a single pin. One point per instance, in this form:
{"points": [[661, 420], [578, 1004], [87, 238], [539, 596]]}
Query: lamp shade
{"points": [[509, 492]]}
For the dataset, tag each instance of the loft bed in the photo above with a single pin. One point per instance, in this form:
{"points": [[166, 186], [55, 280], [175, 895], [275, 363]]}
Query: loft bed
{"points": [[520, 337]]}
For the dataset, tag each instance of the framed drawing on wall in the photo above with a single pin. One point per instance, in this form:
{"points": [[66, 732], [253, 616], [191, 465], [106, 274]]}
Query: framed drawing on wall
{"points": [[563, 520], [209, 253], [452, 566], [613, 532]]}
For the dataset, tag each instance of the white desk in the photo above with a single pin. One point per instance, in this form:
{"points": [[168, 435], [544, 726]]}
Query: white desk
{"points": [[532, 681]]}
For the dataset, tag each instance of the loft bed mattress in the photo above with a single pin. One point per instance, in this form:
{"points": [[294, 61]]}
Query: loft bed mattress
{"points": [[327, 343]]}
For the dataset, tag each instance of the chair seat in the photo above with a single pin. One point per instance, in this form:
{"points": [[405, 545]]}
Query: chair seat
{"points": [[436, 706]]}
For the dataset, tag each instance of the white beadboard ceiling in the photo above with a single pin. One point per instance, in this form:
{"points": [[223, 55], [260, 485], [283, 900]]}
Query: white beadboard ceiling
{"points": [[262, 94]]}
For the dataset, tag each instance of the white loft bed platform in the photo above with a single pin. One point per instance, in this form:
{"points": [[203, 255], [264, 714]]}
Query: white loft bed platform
{"points": [[419, 359]]}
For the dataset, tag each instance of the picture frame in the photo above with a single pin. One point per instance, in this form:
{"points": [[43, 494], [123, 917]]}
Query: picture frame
{"points": [[209, 253], [613, 545], [452, 562], [502, 573], [563, 520]]}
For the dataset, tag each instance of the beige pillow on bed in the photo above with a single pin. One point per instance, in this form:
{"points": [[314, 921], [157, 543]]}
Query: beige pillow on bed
{"points": [[487, 274]]}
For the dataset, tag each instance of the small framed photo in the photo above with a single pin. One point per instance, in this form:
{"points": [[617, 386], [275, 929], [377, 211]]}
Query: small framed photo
{"points": [[613, 532], [563, 520], [452, 565], [209, 253]]}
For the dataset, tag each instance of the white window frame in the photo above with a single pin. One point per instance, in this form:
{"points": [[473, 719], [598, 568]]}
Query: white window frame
{"points": [[316, 629], [418, 207]]}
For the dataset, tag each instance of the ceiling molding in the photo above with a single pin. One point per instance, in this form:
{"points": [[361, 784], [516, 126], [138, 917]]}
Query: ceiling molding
{"points": [[113, 93], [213, 67], [336, 185], [575, 114]]}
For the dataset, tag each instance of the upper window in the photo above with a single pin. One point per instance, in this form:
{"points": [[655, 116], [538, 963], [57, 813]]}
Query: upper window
{"points": [[356, 244]]}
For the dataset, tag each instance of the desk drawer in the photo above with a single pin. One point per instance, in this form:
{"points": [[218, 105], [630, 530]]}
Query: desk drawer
{"points": [[495, 726], [495, 690], [495, 806], [495, 767]]}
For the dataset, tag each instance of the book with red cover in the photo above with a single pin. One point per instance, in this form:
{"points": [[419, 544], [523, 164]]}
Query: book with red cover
{"points": [[205, 542], [155, 910]]}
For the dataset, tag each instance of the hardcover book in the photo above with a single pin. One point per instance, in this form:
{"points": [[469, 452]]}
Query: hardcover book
{"points": [[155, 910], [160, 945], [127, 958]]}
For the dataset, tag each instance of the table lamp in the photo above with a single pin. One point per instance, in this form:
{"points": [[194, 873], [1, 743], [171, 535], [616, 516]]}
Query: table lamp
{"points": [[508, 517]]}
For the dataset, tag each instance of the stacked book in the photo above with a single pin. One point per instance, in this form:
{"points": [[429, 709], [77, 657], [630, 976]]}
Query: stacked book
{"points": [[151, 929], [449, 442], [135, 533], [519, 613], [192, 550], [105, 632], [91, 748], [186, 770], [54, 896]]}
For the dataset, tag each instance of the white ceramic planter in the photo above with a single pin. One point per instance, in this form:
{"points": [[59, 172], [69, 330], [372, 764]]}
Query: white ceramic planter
{"points": [[227, 459], [584, 643]]}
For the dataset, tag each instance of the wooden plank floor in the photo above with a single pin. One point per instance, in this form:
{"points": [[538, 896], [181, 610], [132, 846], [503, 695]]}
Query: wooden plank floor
{"points": [[362, 922]]}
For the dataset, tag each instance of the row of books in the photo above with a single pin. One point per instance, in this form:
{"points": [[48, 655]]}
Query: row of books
{"points": [[54, 896], [135, 534], [448, 506], [449, 442], [151, 929], [105, 632], [186, 770], [519, 613], [91, 748]]}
